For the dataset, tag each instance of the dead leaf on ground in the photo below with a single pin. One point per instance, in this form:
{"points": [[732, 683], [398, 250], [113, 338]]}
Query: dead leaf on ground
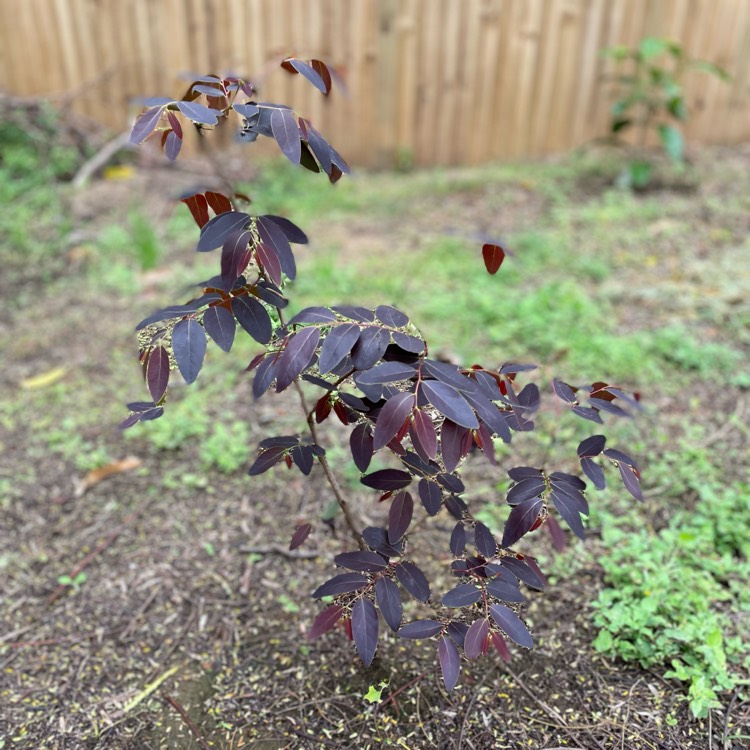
{"points": [[97, 475]]}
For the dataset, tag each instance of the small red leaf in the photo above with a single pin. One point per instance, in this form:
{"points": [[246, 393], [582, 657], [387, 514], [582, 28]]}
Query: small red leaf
{"points": [[493, 257], [198, 208]]}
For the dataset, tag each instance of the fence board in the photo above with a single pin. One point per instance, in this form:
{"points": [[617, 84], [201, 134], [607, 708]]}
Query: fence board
{"points": [[515, 78]]}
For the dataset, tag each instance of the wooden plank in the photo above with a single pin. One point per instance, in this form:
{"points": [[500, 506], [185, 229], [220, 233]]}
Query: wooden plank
{"points": [[406, 111], [486, 85]]}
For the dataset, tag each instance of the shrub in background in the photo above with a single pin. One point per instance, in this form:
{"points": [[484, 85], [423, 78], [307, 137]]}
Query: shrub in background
{"points": [[650, 98]]}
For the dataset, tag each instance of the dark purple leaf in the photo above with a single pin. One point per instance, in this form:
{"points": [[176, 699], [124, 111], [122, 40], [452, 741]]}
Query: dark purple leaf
{"points": [[413, 580], [399, 516], [365, 629], [337, 345], [451, 442], [630, 480], [157, 373], [141, 406], [451, 483], [619, 457], [418, 465], [313, 315], [343, 583], [390, 316], [570, 510], [172, 145], [272, 235], [423, 435], [189, 348], [361, 445], [287, 441], [211, 91], [567, 482], [388, 598], [266, 459], [310, 73], [387, 372], [408, 342], [520, 473], [167, 313], [586, 413], [419, 629], [501, 647], [525, 490], [450, 375], [607, 406], [462, 596], [391, 418], [253, 318], [377, 539], [286, 134], [564, 391], [450, 662], [521, 519], [431, 496], [220, 326], [491, 415], [512, 625], [264, 376], [556, 533], [354, 312], [457, 632], [361, 560], [387, 480], [320, 148], [325, 621], [504, 590], [216, 232], [302, 456], [591, 446], [449, 402], [299, 352], [146, 124], [594, 472], [476, 637], [153, 101], [269, 260], [198, 113], [485, 541], [235, 254], [521, 570], [292, 232], [370, 348], [455, 506], [457, 542], [300, 534], [246, 110]]}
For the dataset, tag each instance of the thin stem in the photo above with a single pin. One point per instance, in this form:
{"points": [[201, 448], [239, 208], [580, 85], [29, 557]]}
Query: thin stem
{"points": [[323, 461], [330, 476]]}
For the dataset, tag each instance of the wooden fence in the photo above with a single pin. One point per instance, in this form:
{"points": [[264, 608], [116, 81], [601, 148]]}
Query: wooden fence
{"points": [[432, 81]]}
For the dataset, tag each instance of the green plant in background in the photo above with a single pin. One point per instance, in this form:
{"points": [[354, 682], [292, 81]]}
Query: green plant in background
{"points": [[672, 590], [650, 97]]}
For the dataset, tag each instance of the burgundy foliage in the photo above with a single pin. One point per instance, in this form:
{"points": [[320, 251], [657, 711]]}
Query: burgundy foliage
{"points": [[371, 371]]}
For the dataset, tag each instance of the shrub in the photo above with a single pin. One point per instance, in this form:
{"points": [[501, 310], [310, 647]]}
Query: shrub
{"points": [[650, 98], [372, 371]]}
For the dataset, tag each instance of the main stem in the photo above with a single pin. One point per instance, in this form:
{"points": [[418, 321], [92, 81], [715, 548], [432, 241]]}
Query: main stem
{"points": [[330, 476], [323, 461]]}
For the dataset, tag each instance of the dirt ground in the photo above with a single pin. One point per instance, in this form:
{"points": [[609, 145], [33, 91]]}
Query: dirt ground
{"points": [[189, 631]]}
